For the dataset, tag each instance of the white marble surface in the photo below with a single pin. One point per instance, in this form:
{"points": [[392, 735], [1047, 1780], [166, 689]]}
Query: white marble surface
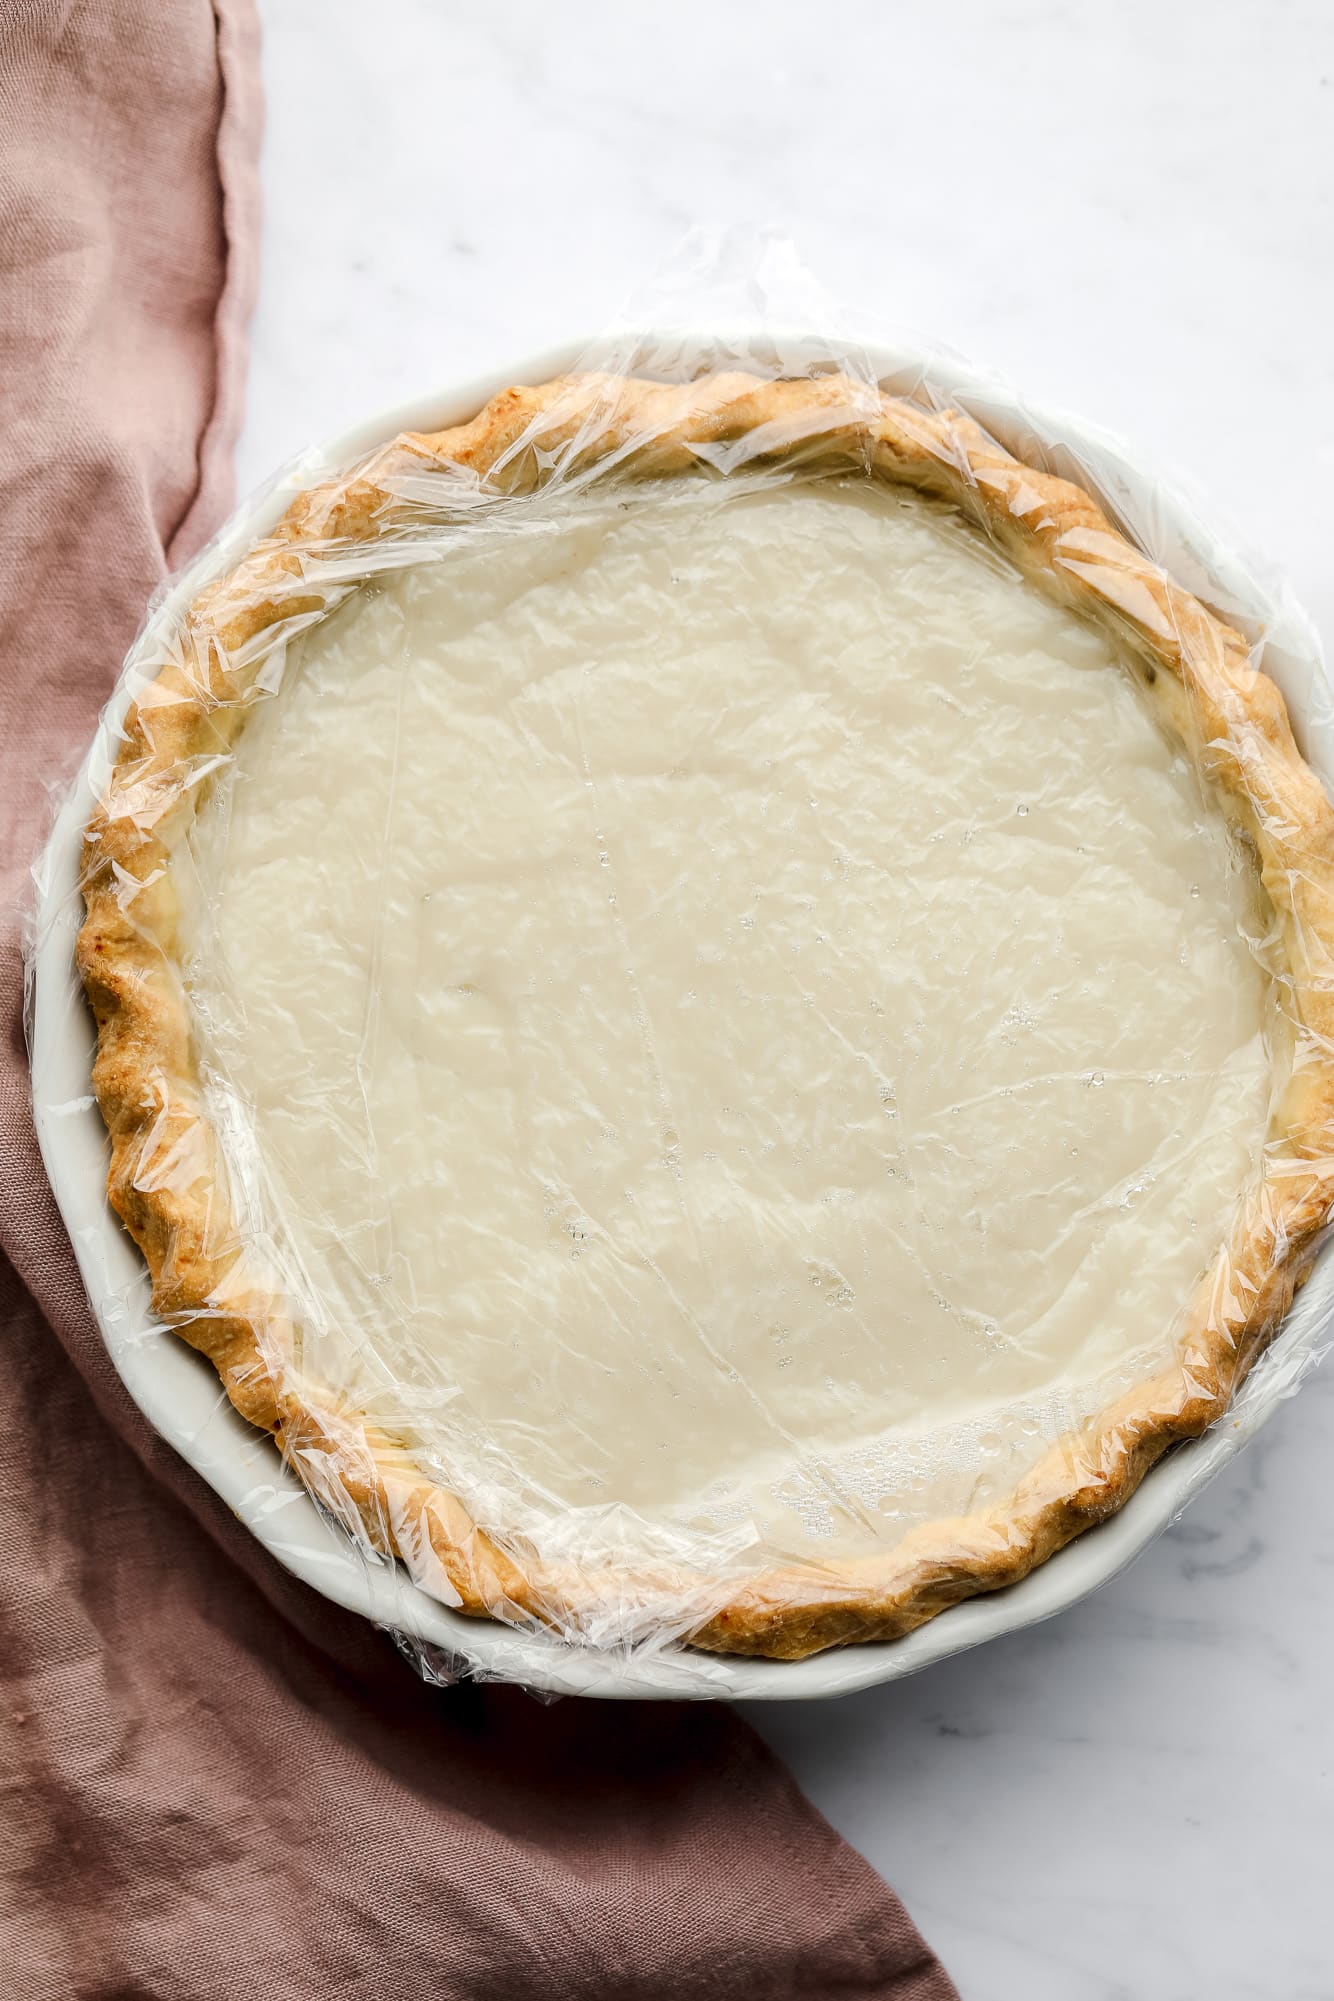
{"points": [[1131, 212]]}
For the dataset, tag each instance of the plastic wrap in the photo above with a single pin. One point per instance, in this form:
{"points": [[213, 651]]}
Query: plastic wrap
{"points": [[714, 996]]}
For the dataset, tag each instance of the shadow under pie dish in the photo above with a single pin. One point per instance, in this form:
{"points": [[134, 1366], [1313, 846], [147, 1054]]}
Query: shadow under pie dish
{"points": [[712, 1001]]}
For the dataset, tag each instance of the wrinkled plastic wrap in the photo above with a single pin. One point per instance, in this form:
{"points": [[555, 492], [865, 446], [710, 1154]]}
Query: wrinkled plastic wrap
{"points": [[693, 1024]]}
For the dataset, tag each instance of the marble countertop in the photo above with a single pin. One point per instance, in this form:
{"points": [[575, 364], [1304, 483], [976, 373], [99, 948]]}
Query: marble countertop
{"points": [[1130, 212]]}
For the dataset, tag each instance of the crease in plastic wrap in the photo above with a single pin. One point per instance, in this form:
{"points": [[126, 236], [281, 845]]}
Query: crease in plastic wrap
{"points": [[690, 1014]]}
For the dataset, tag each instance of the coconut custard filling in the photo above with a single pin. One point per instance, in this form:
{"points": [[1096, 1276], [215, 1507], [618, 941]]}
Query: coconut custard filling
{"points": [[750, 1027]]}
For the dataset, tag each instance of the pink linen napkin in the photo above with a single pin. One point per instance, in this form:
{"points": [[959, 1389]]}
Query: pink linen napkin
{"points": [[215, 1784]]}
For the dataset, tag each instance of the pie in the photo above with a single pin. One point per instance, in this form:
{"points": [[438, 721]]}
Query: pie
{"points": [[714, 1005]]}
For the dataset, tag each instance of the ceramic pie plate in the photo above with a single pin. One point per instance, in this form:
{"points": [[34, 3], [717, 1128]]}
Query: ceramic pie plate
{"points": [[178, 1391]]}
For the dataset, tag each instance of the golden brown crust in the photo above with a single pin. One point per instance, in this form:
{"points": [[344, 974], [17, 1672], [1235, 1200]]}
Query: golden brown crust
{"points": [[168, 1178]]}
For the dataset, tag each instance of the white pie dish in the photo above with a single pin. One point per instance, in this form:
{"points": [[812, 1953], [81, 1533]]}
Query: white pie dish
{"points": [[176, 1390]]}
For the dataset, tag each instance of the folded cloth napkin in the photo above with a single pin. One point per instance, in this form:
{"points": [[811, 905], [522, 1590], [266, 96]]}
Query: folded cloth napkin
{"points": [[215, 1783]]}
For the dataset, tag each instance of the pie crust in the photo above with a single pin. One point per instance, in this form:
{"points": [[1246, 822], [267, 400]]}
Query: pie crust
{"points": [[168, 1179]]}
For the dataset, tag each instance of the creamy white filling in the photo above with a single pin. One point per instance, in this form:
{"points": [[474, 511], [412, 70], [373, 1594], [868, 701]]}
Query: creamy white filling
{"points": [[733, 1014]]}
